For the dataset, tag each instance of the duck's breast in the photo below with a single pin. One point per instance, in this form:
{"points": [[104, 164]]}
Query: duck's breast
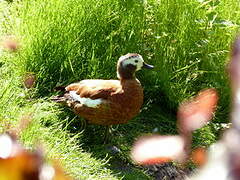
{"points": [[126, 105]]}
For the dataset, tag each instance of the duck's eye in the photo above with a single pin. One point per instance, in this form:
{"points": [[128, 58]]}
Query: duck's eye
{"points": [[136, 61]]}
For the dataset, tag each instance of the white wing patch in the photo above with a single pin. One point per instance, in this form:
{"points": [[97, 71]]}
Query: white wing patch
{"points": [[86, 101]]}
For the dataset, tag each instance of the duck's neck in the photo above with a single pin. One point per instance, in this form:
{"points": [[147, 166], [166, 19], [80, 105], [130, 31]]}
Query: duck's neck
{"points": [[126, 74], [127, 81], [130, 84], [127, 77]]}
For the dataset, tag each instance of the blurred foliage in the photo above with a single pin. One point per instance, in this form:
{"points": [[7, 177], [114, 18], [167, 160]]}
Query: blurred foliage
{"points": [[23, 164]]}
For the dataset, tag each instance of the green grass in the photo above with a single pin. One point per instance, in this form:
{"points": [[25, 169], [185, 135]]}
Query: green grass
{"points": [[188, 42], [65, 41]]}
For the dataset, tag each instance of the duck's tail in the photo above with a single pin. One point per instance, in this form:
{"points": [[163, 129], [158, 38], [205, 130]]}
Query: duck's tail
{"points": [[60, 88], [65, 99], [60, 98]]}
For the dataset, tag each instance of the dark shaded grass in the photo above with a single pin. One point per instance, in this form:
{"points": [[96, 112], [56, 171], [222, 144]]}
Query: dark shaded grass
{"points": [[122, 138]]}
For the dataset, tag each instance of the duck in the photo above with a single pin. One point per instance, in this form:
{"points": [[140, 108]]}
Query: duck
{"points": [[108, 102]]}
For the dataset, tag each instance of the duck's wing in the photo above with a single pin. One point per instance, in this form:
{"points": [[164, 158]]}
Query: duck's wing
{"points": [[95, 89]]}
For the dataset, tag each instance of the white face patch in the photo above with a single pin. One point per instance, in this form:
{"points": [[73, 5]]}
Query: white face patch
{"points": [[86, 101], [136, 61]]}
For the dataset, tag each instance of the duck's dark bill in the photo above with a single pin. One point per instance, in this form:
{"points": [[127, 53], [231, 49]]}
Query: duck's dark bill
{"points": [[147, 66]]}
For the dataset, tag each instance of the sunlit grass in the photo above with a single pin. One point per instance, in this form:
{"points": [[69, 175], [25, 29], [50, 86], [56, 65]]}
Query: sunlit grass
{"points": [[65, 41]]}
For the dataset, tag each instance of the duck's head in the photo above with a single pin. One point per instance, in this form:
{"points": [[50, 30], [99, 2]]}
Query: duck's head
{"points": [[129, 64]]}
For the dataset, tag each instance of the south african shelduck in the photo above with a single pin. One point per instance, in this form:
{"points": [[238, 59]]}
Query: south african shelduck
{"points": [[108, 102]]}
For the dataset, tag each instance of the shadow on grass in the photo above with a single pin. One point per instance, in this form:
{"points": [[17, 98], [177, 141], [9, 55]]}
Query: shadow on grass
{"points": [[117, 151]]}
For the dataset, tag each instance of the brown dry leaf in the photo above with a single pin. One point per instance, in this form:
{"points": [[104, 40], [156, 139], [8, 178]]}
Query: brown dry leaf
{"points": [[29, 80], [10, 43], [24, 122], [158, 149], [195, 113]]}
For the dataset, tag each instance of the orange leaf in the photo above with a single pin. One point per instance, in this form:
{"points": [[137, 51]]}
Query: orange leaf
{"points": [[199, 156]]}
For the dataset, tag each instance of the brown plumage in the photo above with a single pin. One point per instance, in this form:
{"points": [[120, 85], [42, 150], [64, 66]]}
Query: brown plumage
{"points": [[108, 102]]}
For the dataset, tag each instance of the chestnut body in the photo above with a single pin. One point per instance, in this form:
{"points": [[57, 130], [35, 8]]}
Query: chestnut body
{"points": [[121, 100]]}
